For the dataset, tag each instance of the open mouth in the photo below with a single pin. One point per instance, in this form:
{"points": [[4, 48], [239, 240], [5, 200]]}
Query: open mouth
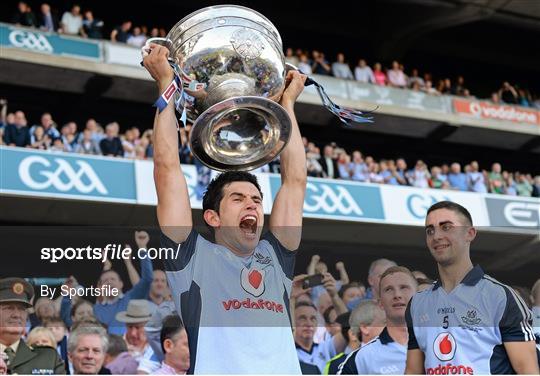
{"points": [[439, 247], [248, 224]]}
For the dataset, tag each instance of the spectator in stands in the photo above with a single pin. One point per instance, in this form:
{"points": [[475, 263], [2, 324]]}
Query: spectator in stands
{"points": [[456, 178], [81, 311], [159, 290], [495, 98], [87, 346], [536, 186], [291, 58], [359, 167], [24, 15], [367, 321], [320, 65], [128, 144], [428, 88], [341, 69], [388, 175], [137, 38], [445, 86], [475, 179], [523, 186], [352, 293], [72, 22], [154, 32], [305, 322], [414, 78], [363, 72], [401, 172], [118, 360], [496, 182], [69, 136], [459, 87], [44, 309], [135, 317], [508, 94], [419, 176], [345, 166], [40, 336], [48, 125], [121, 33], [59, 331], [509, 184], [95, 129], [17, 134], [524, 97], [436, 180], [376, 269], [39, 140], [111, 145], [47, 20], [380, 76], [396, 76], [87, 145], [375, 175], [313, 155], [174, 343], [93, 27], [304, 65], [328, 163]]}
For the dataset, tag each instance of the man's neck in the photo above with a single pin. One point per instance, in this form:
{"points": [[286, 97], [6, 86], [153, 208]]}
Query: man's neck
{"points": [[398, 331], [176, 370], [157, 299], [9, 339], [452, 275], [237, 252], [305, 343]]}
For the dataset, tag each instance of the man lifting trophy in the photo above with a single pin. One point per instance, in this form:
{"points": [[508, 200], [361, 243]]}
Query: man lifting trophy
{"points": [[222, 68]]}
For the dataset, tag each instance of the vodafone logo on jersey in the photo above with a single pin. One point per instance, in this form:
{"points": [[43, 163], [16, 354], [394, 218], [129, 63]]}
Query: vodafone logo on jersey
{"points": [[444, 346], [252, 281]]}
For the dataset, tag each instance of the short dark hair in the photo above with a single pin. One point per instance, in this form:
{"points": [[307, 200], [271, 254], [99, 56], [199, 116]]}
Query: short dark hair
{"points": [[305, 304], [172, 325], [344, 288], [214, 192], [457, 208], [117, 345], [343, 320]]}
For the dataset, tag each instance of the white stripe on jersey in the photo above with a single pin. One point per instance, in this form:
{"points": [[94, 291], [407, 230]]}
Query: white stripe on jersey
{"points": [[525, 311]]}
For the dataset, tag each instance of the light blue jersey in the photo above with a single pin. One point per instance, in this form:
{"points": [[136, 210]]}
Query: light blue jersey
{"points": [[380, 356], [462, 332], [235, 309]]}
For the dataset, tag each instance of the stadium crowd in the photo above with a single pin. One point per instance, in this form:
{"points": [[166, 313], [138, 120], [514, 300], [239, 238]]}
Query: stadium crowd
{"points": [[83, 23], [333, 162], [139, 332]]}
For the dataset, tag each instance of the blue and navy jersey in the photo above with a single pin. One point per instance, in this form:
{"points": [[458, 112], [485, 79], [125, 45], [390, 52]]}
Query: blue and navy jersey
{"points": [[380, 356], [319, 354], [463, 331], [235, 309]]}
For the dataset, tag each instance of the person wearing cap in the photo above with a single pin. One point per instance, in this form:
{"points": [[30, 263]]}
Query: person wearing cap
{"points": [[15, 297], [136, 316]]}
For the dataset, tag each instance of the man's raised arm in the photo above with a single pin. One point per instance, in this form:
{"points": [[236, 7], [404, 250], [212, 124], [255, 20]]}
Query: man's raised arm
{"points": [[286, 217], [173, 209]]}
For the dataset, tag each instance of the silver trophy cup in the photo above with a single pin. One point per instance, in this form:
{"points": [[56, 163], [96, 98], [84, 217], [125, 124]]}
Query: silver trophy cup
{"points": [[231, 65]]}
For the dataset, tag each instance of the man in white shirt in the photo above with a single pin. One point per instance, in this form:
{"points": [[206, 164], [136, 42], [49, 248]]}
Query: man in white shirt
{"points": [[364, 73], [72, 21], [174, 343]]}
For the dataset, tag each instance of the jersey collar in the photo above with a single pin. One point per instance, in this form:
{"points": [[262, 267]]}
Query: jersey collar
{"points": [[384, 337], [471, 279]]}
